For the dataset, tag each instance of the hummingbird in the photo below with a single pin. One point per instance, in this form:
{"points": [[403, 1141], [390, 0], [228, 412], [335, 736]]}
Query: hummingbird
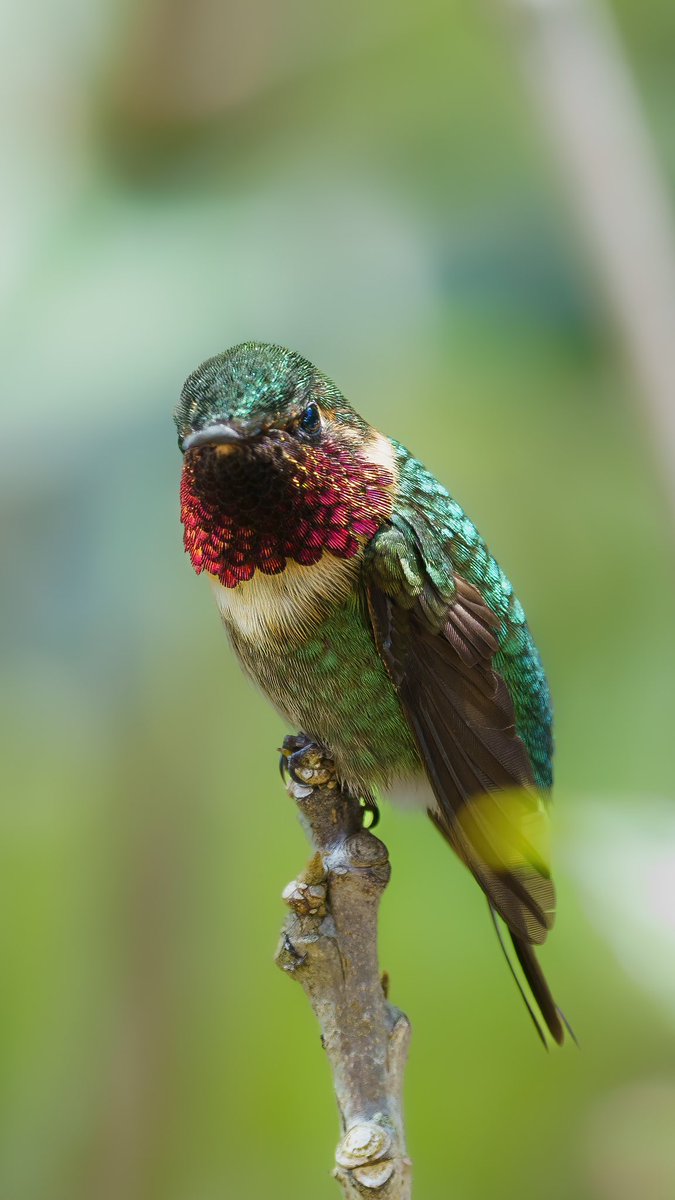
{"points": [[363, 601]]}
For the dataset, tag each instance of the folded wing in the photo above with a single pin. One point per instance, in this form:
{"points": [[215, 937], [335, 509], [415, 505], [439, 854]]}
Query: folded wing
{"points": [[440, 654]]}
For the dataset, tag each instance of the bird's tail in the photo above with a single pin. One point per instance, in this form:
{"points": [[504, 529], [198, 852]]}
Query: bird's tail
{"points": [[536, 981]]}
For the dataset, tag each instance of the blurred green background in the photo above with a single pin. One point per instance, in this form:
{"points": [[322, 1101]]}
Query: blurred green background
{"points": [[371, 186]]}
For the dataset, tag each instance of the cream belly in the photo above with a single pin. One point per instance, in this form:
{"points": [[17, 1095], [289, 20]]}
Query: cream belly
{"points": [[324, 675], [289, 605]]}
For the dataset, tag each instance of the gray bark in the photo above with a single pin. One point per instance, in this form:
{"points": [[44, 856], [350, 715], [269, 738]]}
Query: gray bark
{"points": [[329, 944]]}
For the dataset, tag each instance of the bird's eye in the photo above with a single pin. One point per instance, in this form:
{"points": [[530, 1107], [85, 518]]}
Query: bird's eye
{"points": [[310, 421]]}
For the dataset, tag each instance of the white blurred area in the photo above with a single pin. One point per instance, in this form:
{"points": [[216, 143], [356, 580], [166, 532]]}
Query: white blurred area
{"points": [[622, 856]]}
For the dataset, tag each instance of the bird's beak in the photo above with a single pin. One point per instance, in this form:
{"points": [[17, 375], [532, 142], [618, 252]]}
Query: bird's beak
{"points": [[213, 435]]}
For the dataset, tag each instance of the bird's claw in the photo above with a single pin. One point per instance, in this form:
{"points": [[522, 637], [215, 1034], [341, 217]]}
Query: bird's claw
{"points": [[307, 765], [370, 806], [305, 762]]}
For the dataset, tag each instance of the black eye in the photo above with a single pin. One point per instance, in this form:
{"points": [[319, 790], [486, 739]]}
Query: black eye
{"points": [[310, 421]]}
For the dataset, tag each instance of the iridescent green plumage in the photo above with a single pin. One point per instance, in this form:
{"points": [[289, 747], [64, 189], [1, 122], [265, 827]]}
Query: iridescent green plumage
{"points": [[334, 686], [363, 601], [452, 541]]}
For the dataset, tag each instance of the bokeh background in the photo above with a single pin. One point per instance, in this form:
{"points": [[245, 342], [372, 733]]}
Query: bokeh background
{"points": [[380, 188]]}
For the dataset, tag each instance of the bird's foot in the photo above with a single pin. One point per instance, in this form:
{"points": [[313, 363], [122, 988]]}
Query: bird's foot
{"points": [[306, 763]]}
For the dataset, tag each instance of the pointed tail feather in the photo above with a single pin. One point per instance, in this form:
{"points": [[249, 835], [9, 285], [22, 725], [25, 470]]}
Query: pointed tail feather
{"points": [[553, 1018], [540, 990]]}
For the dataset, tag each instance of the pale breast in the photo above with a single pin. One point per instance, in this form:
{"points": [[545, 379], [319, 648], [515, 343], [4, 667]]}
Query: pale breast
{"points": [[289, 605]]}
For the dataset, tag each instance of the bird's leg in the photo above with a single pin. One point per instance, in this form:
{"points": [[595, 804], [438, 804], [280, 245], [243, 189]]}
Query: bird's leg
{"points": [[308, 765]]}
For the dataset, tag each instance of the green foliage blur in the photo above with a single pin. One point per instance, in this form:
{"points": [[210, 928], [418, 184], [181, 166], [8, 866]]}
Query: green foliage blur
{"points": [[372, 186]]}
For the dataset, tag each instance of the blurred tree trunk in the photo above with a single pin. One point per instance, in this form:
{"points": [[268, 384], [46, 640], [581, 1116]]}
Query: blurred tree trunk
{"points": [[583, 87]]}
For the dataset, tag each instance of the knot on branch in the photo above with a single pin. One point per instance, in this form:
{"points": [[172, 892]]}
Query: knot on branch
{"points": [[365, 850], [363, 1151]]}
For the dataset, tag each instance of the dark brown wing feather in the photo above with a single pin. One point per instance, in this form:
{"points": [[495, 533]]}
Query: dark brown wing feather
{"points": [[463, 719]]}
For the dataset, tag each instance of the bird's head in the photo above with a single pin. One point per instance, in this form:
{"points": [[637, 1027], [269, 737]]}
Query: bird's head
{"points": [[277, 466]]}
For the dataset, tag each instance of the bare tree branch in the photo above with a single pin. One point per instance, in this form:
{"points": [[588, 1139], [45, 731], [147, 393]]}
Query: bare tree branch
{"points": [[329, 944]]}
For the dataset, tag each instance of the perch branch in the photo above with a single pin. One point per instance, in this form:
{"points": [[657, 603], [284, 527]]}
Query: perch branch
{"points": [[329, 944]]}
